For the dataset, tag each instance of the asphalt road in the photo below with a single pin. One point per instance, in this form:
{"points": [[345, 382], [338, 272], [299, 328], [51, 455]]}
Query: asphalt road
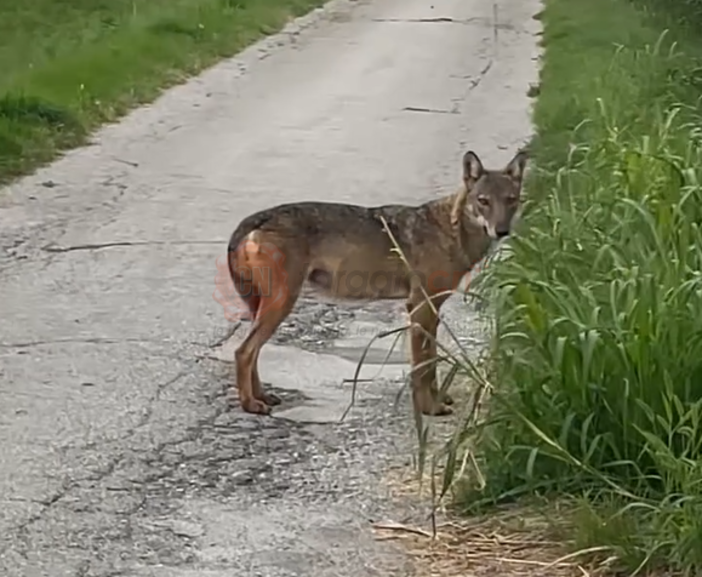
{"points": [[118, 455]]}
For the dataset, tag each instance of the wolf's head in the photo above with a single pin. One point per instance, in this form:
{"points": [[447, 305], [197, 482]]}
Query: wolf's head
{"points": [[491, 197]]}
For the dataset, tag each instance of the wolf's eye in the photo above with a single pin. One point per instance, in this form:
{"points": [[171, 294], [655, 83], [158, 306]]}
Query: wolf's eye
{"points": [[483, 201]]}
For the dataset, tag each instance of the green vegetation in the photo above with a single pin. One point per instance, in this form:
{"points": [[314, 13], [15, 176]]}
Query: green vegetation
{"points": [[66, 67], [596, 362]]}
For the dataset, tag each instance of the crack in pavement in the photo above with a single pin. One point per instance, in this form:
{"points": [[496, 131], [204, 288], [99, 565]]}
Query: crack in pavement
{"points": [[100, 473], [429, 110], [127, 162], [448, 20], [226, 335], [99, 246], [483, 73], [137, 505], [437, 19], [79, 341]]}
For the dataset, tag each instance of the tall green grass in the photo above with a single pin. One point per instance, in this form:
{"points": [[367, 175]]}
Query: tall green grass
{"points": [[596, 359], [683, 13]]}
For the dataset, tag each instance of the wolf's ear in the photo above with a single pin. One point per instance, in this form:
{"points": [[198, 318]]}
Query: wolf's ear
{"points": [[472, 168], [516, 166]]}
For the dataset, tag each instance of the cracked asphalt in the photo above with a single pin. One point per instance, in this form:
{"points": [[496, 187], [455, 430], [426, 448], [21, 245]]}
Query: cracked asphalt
{"points": [[118, 454]]}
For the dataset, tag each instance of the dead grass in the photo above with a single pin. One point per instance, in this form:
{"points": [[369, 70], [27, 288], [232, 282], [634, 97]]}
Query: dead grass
{"points": [[513, 543]]}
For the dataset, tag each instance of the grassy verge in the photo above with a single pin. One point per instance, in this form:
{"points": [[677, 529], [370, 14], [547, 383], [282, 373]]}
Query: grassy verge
{"points": [[69, 66], [596, 363]]}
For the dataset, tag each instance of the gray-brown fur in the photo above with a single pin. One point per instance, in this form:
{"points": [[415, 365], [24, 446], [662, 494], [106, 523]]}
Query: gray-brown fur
{"points": [[326, 245]]}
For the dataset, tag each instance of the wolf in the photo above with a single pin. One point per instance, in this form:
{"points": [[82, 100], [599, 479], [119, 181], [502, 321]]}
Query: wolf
{"points": [[417, 253]]}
